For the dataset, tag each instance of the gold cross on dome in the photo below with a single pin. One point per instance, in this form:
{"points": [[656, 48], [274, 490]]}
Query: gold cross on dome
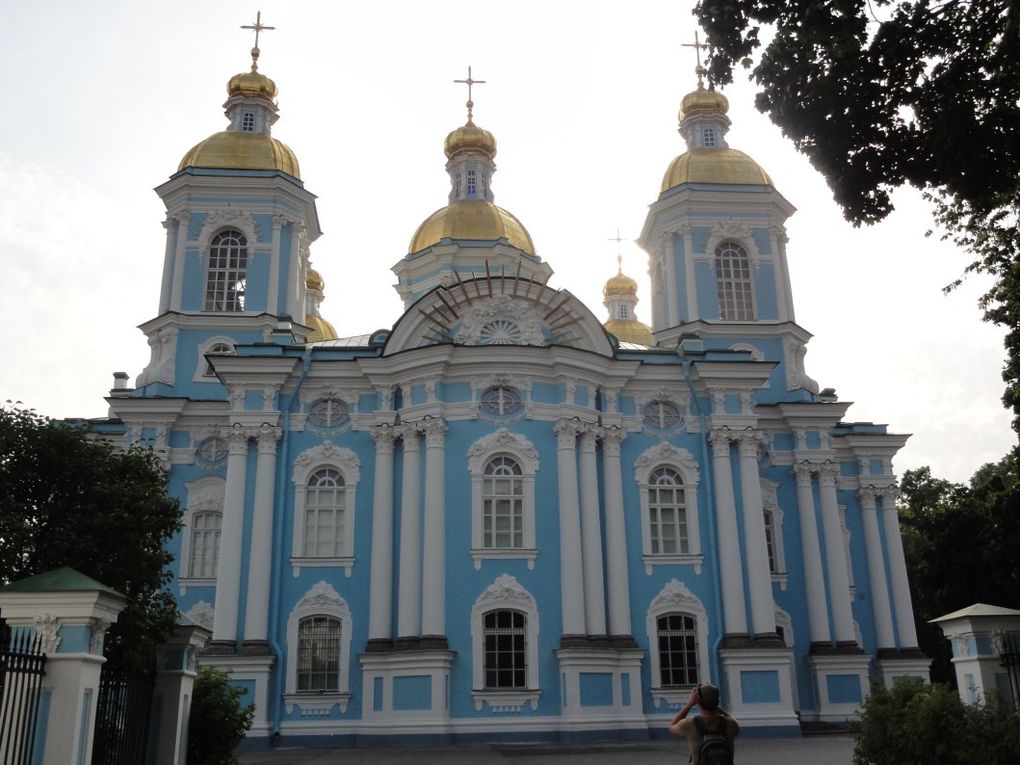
{"points": [[469, 82], [698, 47], [619, 255], [257, 27]]}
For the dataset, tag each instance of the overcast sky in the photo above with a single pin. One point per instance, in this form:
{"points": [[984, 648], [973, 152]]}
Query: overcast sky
{"points": [[102, 99]]}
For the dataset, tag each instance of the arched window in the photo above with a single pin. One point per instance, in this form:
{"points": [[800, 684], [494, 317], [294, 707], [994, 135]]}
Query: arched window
{"points": [[324, 514], [216, 349], [228, 263], [506, 660], [733, 280], [205, 544], [667, 479], [503, 509], [677, 635], [318, 655], [667, 513]]}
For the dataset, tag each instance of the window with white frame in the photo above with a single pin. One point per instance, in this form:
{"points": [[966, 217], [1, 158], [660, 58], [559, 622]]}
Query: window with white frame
{"points": [[774, 530], [213, 346], [770, 541], [504, 642], [328, 413], [324, 514], [216, 349], [733, 282], [227, 274], [205, 544], [500, 401], [661, 415], [211, 452], [248, 122], [503, 504], [318, 654], [667, 512], [677, 629], [325, 485], [667, 479], [503, 467], [708, 137], [471, 183]]}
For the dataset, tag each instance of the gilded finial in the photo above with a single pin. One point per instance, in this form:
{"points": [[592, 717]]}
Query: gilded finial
{"points": [[619, 254], [257, 27], [470, 104], [698, 47]]}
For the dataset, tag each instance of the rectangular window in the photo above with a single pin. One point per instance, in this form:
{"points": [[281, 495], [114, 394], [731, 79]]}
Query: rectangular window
{"points": [[668, 519], [678, 650], [708, 135], [505, 654], [318, 659]]}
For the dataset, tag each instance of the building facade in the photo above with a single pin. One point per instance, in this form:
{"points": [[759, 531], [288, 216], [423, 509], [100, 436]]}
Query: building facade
{"points": [[504, 518]]}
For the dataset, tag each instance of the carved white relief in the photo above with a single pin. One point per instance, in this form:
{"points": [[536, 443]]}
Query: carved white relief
{"points": [[47, 626], [201, 613], [217, 220], [162, 356], [505, 588], [666, 453], [502, 439], [206, 494], [321, 596], [326, 452], [796, 377], [99, 627], [675, 595], [501, 320], [734, 231]]}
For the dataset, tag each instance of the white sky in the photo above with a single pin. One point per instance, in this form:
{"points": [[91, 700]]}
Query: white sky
{"points": [[102, 99]]}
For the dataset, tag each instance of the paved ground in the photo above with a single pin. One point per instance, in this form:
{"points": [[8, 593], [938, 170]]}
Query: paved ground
{"points": [[822, 750]]}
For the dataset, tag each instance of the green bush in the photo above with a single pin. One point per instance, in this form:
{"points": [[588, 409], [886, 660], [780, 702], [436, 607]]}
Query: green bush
{"points": [[218, 721], [919, 724]]}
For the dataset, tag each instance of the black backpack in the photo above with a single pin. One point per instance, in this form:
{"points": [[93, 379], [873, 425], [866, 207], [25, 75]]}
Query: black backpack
{"points": [[715, 746]]}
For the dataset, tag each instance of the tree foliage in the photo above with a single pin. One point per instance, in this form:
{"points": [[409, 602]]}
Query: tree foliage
{"points": [[218, 719], [917, 724], [884, 93], [67, 500], [962, 545]]}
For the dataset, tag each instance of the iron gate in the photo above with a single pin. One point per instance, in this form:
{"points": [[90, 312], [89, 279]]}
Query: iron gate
{"points": [[122, 714], [1010, 659], [22, 666]]}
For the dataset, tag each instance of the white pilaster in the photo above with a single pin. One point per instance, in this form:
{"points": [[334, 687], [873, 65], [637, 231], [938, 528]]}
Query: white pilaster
{"points": [[433, 608], [591, 536], [763, 615], [409, 593], [687, 230], [835, 555], [228, 569], [571, 569], [180, 252], [295, 307], [616, 534], [172, 227], [905, 630], [876, 570], [273, 300], [730, 566], [380, 608], [256, 612], [814, 578], [672, 299]]}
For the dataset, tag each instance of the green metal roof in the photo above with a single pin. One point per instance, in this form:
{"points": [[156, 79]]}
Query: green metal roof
{"points": [[64, 579]]}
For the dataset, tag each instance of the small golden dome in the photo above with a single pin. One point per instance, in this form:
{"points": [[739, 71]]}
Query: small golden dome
{"points": [[242, 151], [630, 331], [714, 166], [314, 281], [473, 219], [470, 138], [251, 85], [620, 285], [321, 329], [702, 100]]}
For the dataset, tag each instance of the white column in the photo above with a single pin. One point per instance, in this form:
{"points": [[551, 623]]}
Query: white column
{"points": [[591, 536], [380, 606], [173, 228], [811, 551], [295, 307], [835, 555], [876, 570], [256, 611], [616, 534], [905, 629], [409, 598], [228, 569], [672, 299], [763, 614], [731, 569], [176, 296], [692, 287], [273, 299], [571, 569], [433, 607]]}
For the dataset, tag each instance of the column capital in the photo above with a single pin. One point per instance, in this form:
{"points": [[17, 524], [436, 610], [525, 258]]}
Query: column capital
{"points": [[280, 220], [868, 495], [721, 437], [384, 435], [567, 431], [612, 437], [589, 434], [750, 442], [803, 472], [267, 436], [434, 429], [889, 495], [237, 439], [408, 432], [827, 471]]}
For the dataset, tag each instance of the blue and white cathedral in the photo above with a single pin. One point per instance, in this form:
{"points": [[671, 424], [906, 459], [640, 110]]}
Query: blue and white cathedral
{"points": [[504, 518]]}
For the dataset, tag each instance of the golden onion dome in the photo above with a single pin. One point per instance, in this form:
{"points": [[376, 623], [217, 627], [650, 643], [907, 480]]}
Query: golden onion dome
{"points": [[630, 331], [702, 100], [714, 166], [472, 219], [470, 138], [314, 281], [620, 285], [232, 150], [251, 85], [321, 329]]}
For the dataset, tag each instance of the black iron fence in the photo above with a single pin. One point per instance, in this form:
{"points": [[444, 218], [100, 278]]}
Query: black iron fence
{"points": [[1010, 659], [22, 667], [122, 714]]}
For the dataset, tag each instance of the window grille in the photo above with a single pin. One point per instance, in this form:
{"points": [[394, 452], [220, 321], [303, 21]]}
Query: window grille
{"points": [[248, 122], [505, 649], [228, 263], [708, 136], [678, 650], [470, 183], [318, 659]]}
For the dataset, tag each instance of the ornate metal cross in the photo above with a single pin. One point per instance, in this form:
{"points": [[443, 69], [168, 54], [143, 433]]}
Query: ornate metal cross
{"points": [[469, 82]]}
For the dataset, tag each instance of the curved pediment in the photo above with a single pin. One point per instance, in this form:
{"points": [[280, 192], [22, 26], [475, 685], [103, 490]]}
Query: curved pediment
{"points": [[499, 310]]}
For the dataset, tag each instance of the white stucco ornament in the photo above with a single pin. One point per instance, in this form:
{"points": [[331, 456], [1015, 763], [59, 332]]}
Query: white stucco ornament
{"points": [[321, 595], [201, 613], [501, 320], [505, 587]]}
